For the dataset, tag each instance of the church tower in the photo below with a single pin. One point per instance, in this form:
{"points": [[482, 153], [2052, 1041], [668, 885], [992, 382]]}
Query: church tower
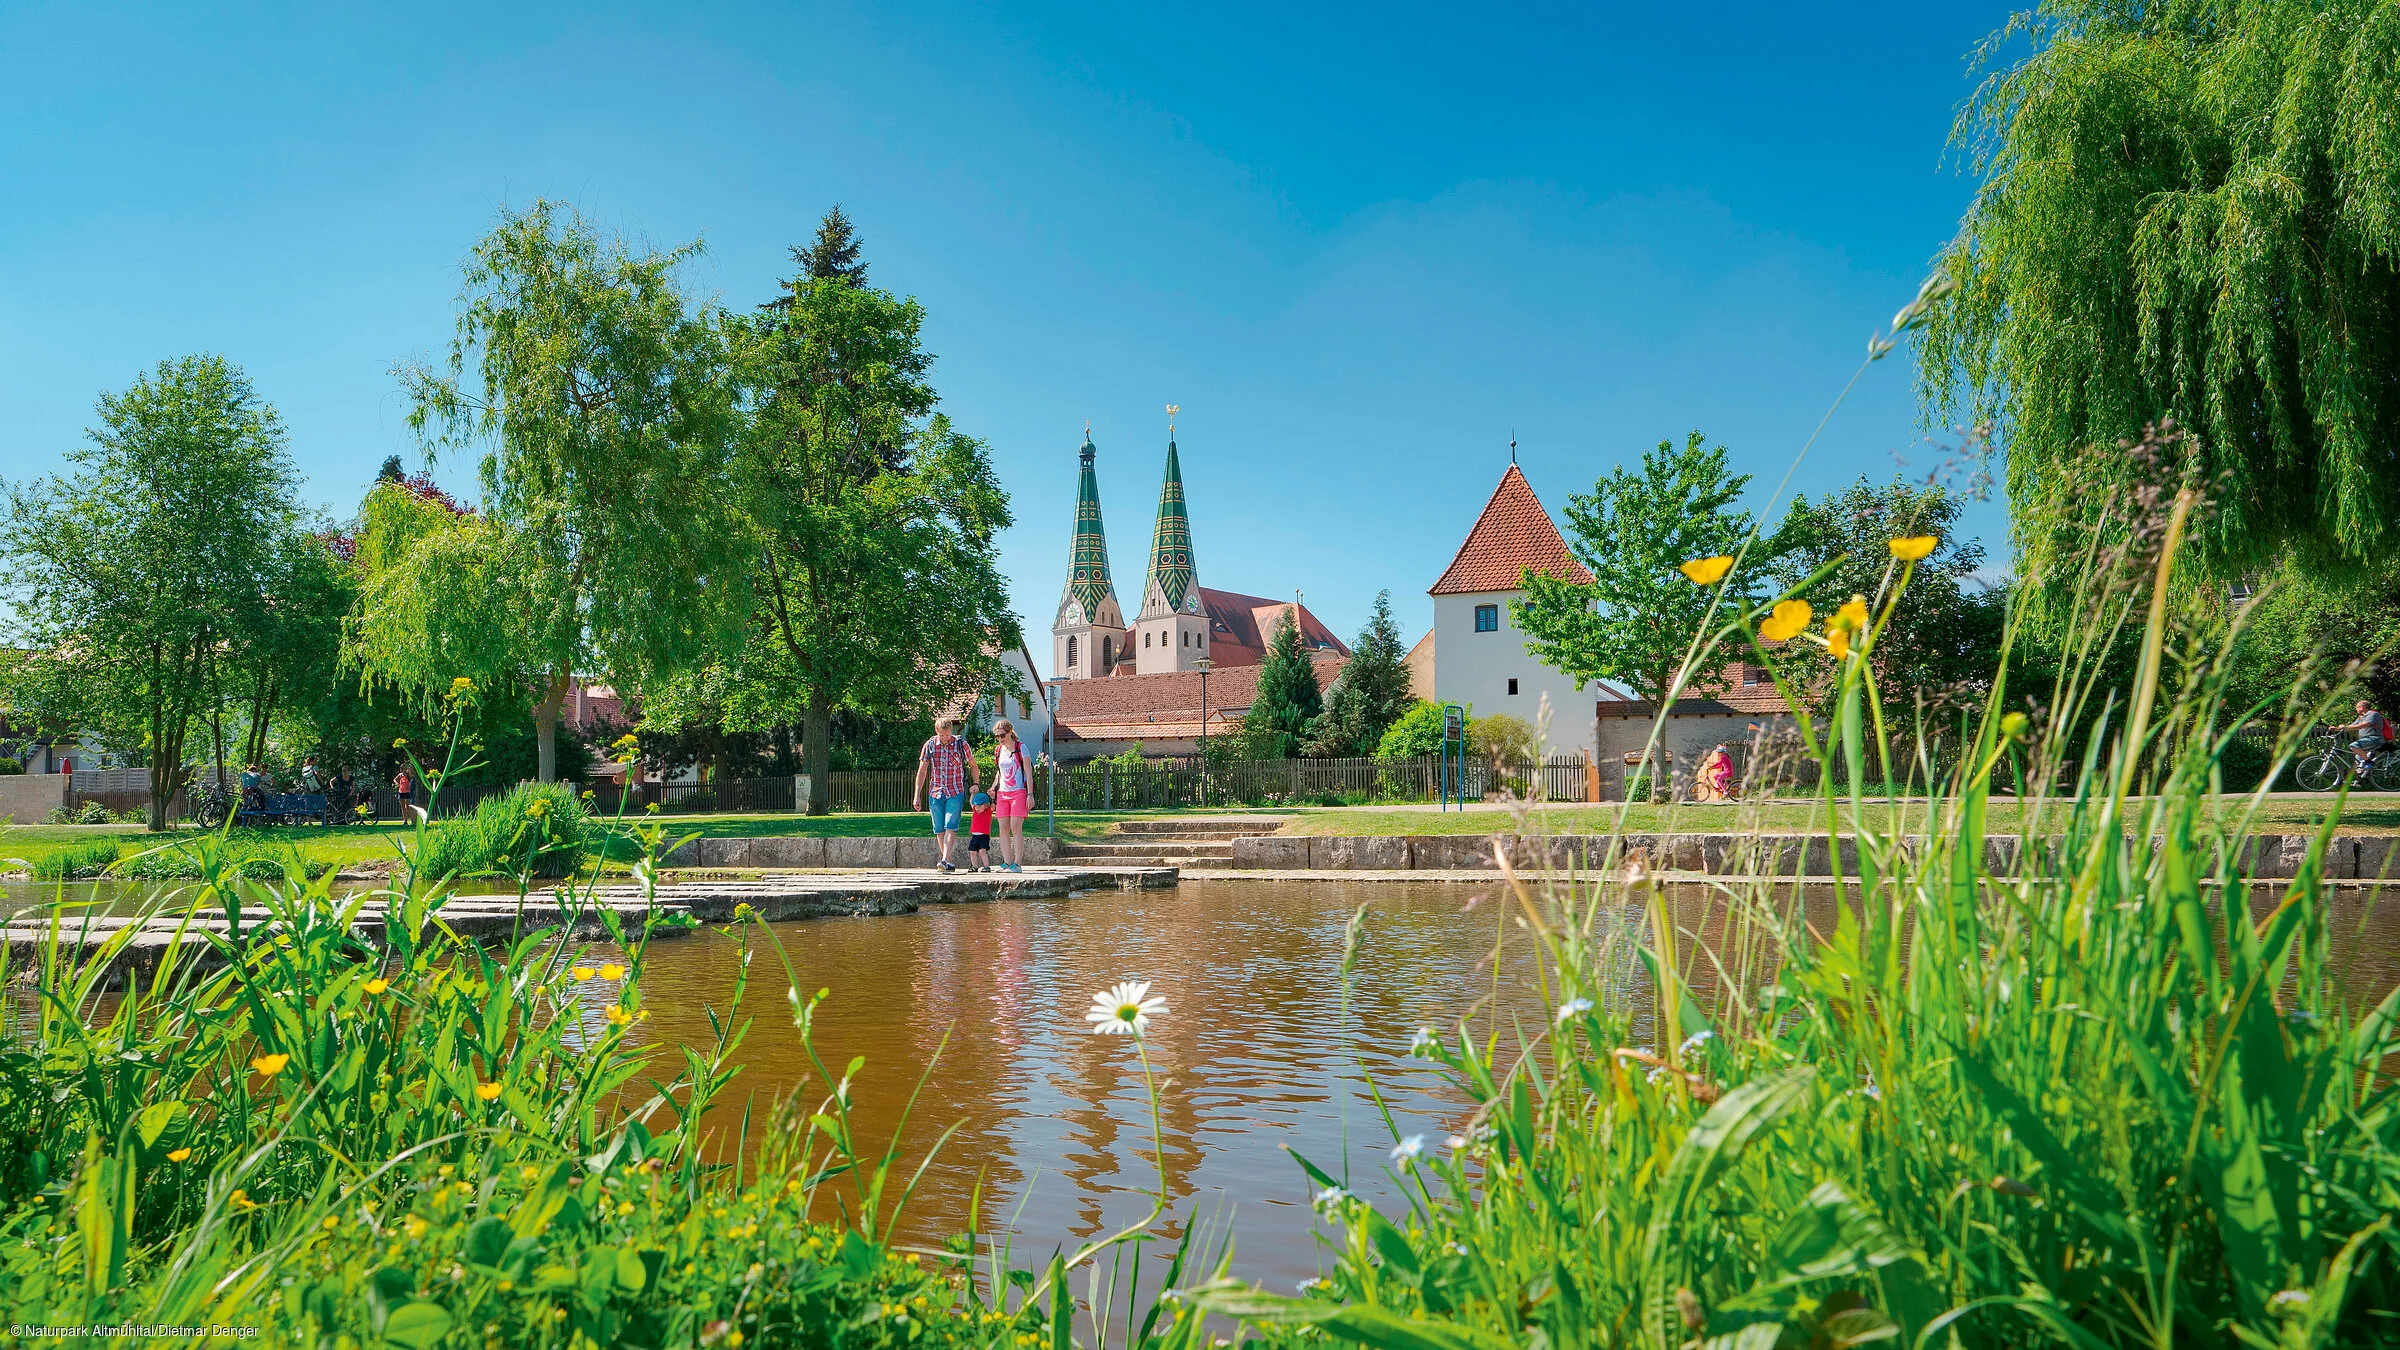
{"points": [[1090, 631], [1172, 630]]}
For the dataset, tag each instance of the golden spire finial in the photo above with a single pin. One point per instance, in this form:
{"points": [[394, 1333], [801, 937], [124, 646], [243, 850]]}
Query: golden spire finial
{"points": [[1172, 409]]}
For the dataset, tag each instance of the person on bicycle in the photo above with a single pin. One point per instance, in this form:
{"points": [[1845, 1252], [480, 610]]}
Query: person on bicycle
{"points": [[2374, 733]]}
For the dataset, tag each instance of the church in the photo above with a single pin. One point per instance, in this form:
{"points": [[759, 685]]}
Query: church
{"points": [[1188, 661]]}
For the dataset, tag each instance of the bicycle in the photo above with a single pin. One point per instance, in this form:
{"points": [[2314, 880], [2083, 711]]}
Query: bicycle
{"points": [[2325, 769]]}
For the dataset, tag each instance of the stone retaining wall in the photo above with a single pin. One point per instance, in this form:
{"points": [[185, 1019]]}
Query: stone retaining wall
{"points": [[805, 851], [2369, 857]]}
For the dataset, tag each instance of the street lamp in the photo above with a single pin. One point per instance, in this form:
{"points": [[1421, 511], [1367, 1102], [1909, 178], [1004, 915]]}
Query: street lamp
{"points": [[1202, 666]]}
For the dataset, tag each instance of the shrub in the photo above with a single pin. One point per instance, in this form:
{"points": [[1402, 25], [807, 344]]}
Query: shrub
{"points": [[10, 766], [533, 829], [1418, 733], [80, 860], [261, 857]]}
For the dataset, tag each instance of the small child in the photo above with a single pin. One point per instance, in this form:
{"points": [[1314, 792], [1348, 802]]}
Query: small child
{"points": [[979, 833]]}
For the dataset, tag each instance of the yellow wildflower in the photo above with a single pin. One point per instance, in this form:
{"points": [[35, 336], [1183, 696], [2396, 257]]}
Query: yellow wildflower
{"points": [[1854, 613], [619, 1016], [270, 1065], [178, 1155], [582, 972], [537, 808], [489, 1092], [415, 1228], [241, 1200], [331, 1223], [377, 985], [1788, 621], [1850, 619], [1912, 548], [529, 1173], [400, 742], [1706, 571], [2012, 726], [612, 971]]}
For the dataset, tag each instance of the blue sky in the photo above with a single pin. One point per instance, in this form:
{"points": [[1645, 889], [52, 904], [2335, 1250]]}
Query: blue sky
{"points": [[1360, 246]]}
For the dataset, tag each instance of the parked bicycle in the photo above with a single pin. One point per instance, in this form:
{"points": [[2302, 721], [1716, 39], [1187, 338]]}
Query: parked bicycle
{"points": [[2326, 768]]}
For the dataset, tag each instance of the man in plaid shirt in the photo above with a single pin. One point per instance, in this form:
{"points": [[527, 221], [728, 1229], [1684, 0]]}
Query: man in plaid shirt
{"points": [[945, 775]]}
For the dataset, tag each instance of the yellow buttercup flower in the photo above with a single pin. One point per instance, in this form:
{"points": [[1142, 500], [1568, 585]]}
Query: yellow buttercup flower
{"points": [[270, 1065], [612, 971], [241, 1200], [377, 985], [178, 1155], [489, 1092], [461, 687], [1912, 548], [1789, 620], [400, 742], [582, 972], [1707, 571], [1850, 619], [619, 1016]]}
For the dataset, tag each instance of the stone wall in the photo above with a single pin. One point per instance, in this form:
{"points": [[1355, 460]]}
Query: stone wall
{"points": [[29, 798]]}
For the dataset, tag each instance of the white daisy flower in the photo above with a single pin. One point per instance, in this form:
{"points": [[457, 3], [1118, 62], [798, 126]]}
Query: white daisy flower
{"points": [[1407, 1150], [1421, 1045], [1574, 1007], [1125, 1009]]}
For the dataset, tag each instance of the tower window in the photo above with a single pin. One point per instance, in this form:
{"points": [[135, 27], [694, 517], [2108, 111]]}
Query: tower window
{"points": [[1070, 653], [1145, 638], [1487, 620], [1187, 639], [1108, 652], [1512, 686]]}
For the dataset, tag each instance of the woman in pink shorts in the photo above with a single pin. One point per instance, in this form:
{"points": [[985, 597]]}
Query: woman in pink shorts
{"points": [[1012, 795]]}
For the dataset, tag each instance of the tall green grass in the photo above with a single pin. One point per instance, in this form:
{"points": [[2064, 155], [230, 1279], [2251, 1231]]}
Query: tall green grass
{"points": [[535, 828], [2094, 1091]]}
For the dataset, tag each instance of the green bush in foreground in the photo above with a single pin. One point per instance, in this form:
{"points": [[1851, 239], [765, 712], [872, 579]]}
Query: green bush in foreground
{"points": [[1978, 1095], [77, 860]]}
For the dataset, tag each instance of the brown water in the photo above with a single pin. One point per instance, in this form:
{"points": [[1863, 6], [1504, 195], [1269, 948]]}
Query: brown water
{"points": [[1255, 1056]]}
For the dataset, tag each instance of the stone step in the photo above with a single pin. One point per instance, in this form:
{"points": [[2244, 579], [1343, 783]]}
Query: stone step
{"points": [[1143, 836], [1163, 845], [1181, 824]]}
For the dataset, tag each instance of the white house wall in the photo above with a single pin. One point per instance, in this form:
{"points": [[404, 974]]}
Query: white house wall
{"points": [[1475, 668]]}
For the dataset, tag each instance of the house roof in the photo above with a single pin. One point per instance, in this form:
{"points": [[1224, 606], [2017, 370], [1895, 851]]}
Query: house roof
{"points": [[1512, 536], [1734, 700], [1165, 706]]}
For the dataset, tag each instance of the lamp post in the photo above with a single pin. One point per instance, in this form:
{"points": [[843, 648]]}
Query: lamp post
{"points": [[1202, 666]]}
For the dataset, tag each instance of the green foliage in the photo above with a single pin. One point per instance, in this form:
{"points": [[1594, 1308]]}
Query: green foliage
{"points": [[1372, 691], [2296, 616], [878, 590], [78, 861], [1633, 622], [1946, 631], [1418, 733], [532, 829], [2189, 207], [2028, 1096], [1285, 712], [606, 401], [10, 766], [1506, 739], [146, 580]]}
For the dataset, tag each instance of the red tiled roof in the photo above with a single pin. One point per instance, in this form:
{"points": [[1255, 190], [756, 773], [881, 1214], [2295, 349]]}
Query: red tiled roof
{"points": [[1512, 535], [1164, 706], [1735, 699]]}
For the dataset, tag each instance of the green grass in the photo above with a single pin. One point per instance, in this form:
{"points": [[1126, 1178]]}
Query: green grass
{"points": [[2294, 814]]}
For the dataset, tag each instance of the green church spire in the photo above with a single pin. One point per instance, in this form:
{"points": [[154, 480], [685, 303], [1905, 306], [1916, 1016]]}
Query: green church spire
{"points": [[1171, 586], [1089, 592]]}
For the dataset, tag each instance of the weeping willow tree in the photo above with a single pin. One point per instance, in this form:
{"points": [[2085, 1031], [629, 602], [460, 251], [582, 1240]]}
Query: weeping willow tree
{"points": [[2188, 208]]}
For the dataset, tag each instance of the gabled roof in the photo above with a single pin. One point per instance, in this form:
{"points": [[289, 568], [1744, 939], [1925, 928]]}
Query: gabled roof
{"points": [[1512, 535], [1166, 706]]}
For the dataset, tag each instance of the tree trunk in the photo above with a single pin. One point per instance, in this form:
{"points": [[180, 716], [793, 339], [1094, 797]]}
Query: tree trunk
{"points": [[816, 742], [545, 729]]}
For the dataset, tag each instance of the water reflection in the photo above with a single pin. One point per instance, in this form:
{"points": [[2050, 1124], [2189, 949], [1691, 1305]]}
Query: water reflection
{"points": [[1256, 1056]]}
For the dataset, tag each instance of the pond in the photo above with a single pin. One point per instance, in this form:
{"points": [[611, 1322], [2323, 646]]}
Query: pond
{"points": [[1255, 1056]]}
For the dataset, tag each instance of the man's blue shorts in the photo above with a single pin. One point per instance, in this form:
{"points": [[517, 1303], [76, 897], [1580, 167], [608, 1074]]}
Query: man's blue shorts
{"points": [[946, 812]]}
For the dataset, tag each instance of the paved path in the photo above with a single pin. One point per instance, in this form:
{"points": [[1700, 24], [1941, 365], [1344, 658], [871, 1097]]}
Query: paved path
{"points": [[776, 896]]}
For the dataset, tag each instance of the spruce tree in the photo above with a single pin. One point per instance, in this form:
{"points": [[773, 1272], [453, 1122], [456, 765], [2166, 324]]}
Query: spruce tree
{"points": [[1372, 692], [834, 253], [1284, 715]]}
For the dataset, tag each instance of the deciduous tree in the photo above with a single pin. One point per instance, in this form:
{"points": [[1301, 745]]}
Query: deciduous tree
{"points": [[1634, 621], [877, 585], [133, 576], [2187, 208], [602, 399]]}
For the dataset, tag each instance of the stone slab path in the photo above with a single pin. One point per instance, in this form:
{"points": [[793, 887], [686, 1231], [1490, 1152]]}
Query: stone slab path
{"points": [[775, 896]]}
